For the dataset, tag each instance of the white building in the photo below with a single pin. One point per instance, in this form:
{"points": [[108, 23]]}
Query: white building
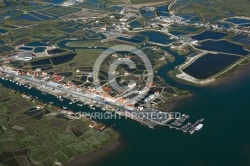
{"points": [[24, 56], [132, 85]]}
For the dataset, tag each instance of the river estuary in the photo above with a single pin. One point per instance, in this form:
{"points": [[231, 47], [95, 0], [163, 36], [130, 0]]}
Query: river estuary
{"points": [[224, 139]]}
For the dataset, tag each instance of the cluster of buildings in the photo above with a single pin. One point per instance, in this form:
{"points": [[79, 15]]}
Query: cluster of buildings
{"points": [[72, 2], [104, 93], [152, 96], [43, 76], [24, 56], [170, 19], [241, 30]]}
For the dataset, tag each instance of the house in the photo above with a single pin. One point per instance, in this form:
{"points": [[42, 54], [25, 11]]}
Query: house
{"points": [[85, 71], [132, 85], [194, 42], [121, 101], [30, 73], [157, 93], [123, 19], [108, 98], [40, 106], [151, 97], [57, 78], [106, 89], [151, 84], [25, 56]]}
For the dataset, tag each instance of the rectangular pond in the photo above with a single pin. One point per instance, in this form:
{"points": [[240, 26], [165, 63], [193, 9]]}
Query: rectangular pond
{"points": [[210, 64], [223, 46], [26, 17], [3, 31], [209, 35], [157, 37], [63, 58], [238, 20]]}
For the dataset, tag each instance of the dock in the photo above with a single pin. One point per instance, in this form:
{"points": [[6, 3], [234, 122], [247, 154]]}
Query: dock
{"points": [[178, 124]]}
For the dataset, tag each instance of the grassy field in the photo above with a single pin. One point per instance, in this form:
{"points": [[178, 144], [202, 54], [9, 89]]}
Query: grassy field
{"points": [[41, 138], [212, 9]]}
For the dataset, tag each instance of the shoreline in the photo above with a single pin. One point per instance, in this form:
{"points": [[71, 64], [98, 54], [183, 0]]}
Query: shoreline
{"points": [[232, 76], [186, 78], [173, 103], [153, 4], [94, 155], [238, 71], [87, 158]]}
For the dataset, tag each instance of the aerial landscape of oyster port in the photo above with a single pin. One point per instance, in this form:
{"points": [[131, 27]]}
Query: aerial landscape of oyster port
{"points": [[124, 82]]}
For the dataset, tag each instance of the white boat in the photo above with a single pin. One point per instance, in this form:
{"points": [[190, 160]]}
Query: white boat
{"points": [[103, 109], [198, 127], [80, 105], [60, 98], [70, 102], [65, 107], [51, 103]]}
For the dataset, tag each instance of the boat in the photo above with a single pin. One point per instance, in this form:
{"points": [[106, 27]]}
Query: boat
{"points": [[51, 103], [197, 122], [60, 98], [65, 107], [198, 127], [192, 131], [187, 127], [103, 109], [44, 93], [70, 102], [80, 105]]}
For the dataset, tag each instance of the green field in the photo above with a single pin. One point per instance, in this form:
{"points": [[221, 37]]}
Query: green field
{"points": [[38, 137], [208, 10]]}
